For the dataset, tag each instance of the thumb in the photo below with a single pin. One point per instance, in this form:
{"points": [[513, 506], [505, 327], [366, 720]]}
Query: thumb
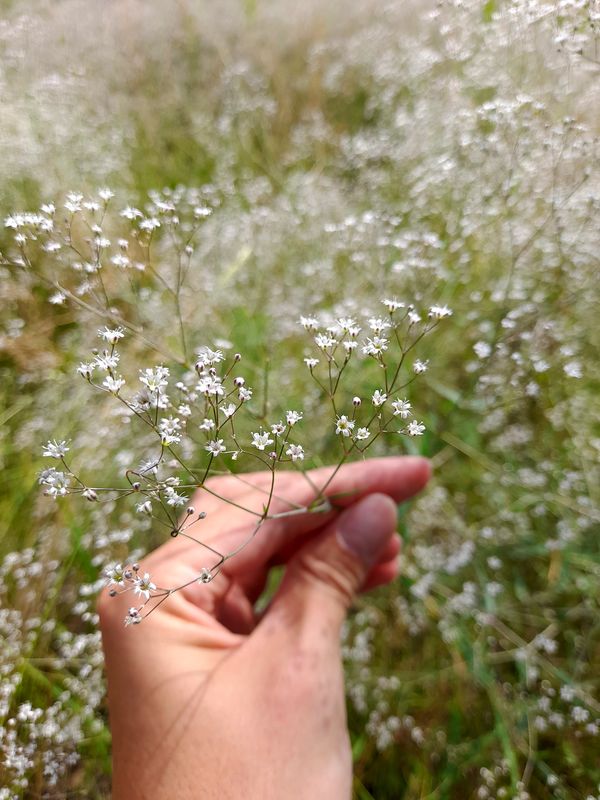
{"points": [[323, 577]]}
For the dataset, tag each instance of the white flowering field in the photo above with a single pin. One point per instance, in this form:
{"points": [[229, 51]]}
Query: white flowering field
{"points": [[261, 234]]}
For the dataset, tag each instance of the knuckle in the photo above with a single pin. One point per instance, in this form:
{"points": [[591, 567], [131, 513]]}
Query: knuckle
{"points": [[338, 578]]}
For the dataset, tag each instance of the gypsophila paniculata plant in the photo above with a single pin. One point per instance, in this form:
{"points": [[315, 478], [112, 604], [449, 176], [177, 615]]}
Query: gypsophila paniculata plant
{"points": [[198, 418], [430, 152]]}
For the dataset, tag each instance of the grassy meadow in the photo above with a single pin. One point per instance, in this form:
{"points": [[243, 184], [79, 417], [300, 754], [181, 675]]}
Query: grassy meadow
{"points": [[308, 159]]}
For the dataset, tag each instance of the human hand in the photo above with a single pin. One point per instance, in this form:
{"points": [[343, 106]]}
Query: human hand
{"points": [[207, 698]]}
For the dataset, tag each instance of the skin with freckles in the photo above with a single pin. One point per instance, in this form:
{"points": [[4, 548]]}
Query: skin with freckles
{"points": [[208, 699]]}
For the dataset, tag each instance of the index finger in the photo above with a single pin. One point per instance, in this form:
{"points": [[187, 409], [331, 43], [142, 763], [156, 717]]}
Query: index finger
{"points": [[290, 519]]}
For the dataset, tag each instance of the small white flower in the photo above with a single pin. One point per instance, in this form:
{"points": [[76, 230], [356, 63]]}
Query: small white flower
{"points": [[311, 363], [244, 394], [261, 440], [120, 260], [309, 323], [216, 447], [378, 325], [169, 430], [144, 508], [419, 367], [344, 425], [57, 483], [115, 575], [113, 385], [323, 341], [167, 439], [155, 379], [54, 449], [348, 325], [482, 349], [401, 408], [202, 211], [439, 312], [149, 224], [228, 410], [57, 299], [210, 385], [73, 203], [111, 335], [143, 586], [379, 398], [149, 466], [415, 428], [107, 361], [361, 434], [392, 304], [106, 194], [208, 358], [413, 317], [131, 213], [173, 498], [278, 429], [573, 369], [296, 452], [375, 347], [207, 424], [292, 417]]}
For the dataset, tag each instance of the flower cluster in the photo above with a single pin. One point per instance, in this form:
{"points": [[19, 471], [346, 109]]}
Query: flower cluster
{"points": [[203, 420]]}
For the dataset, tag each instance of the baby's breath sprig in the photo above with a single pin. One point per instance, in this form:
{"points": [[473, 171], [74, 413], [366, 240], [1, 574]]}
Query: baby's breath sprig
{"points": [[195, 414], [196, 423]]}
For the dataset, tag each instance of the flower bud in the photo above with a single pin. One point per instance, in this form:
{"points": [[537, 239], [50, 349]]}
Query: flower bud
{"points": [[205, 576]]}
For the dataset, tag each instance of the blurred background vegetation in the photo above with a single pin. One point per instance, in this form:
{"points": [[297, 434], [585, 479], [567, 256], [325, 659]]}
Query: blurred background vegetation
{"points": [[439, 151]]}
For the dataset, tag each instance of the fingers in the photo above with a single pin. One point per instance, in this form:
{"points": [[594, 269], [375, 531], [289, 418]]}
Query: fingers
{"points": [[398, 478], [259, 543]]}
